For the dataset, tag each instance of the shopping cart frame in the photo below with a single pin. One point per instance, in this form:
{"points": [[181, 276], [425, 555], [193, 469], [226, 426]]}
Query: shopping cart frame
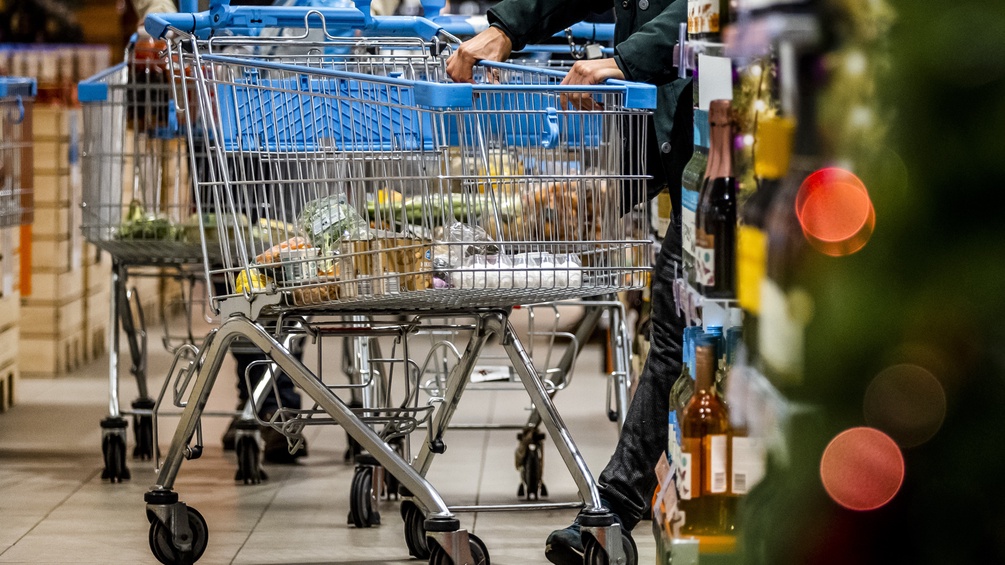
{"points": [[174, 524]]}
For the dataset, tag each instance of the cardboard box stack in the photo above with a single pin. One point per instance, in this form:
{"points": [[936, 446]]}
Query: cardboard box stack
{"points": [[52, 302], [10, 314], [56, 283]]}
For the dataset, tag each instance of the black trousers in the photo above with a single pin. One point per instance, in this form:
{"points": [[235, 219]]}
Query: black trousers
{"points": [[628, 481]]}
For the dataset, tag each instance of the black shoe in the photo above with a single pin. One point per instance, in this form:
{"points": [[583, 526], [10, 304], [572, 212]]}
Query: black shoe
{"points": [[565, 547], [277, 449]]}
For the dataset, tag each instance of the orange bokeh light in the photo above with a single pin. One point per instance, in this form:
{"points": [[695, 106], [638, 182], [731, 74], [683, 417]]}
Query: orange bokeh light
{"points": [[835, 211], [862, 469]]}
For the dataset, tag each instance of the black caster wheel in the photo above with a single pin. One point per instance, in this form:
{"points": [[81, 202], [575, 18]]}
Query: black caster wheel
{"points": [[479, 553], [113, 448], [415, 533], [249, 457], [163, 547], [143, 430], [594, 553], [362, 502], [530, 451]]}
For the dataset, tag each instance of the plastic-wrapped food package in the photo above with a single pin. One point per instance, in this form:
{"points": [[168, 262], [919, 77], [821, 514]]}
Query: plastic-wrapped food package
{"points": [[327, 221], [523, 270]]}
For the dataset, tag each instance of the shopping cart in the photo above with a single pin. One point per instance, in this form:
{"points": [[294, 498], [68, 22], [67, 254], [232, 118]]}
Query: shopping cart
{"points": [[557, 351], [406, 199], [137, 206], [16, 97]]}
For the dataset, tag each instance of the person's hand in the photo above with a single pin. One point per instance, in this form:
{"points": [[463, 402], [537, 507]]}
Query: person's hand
{"points": [[586, 73], [491, 44], [144, 7]]}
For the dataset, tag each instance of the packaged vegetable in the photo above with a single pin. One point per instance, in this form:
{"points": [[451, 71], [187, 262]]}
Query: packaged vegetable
{"points": [[272, 254], [258, 281], [327, 221]]}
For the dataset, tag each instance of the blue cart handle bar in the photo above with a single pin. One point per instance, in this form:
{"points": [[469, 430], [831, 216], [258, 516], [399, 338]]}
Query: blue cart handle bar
{"points": [[223, 17], [448, 95]]}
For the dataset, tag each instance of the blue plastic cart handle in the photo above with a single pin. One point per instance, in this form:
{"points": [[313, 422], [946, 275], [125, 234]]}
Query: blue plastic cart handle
{"points": [[249, 17], [464, 26], [18, 86], [222, 17]]}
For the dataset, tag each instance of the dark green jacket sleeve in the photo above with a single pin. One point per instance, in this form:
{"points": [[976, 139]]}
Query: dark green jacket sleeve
{"points": [[647, 54], [529, 21]]}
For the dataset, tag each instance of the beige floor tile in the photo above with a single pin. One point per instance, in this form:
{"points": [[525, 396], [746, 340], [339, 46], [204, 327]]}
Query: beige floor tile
{"points": [[54, 508]]}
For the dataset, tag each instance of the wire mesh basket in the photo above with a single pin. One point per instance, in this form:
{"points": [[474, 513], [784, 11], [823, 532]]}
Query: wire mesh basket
{"points": [[137, 198], [369, 181], [16, 197]]}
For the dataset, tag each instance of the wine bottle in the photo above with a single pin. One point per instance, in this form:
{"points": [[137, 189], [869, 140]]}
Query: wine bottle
{"points": [[715, 230], [786, 305], [691, 181], [704, 459], [772, 146], [683, 388], [707, 18]]}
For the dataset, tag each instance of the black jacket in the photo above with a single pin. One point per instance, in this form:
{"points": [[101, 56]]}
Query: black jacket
{"points": [[644, 41]]}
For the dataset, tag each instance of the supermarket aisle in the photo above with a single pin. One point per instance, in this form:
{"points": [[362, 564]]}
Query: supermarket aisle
{"points": [[54, 507]]}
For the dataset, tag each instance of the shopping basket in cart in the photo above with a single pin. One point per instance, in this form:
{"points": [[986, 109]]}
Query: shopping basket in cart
{"points": [[404, 195], [137, 206], [16, 203]]}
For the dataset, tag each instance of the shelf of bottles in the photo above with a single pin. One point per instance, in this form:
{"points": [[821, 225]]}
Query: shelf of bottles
{"points": [[760, 195]]}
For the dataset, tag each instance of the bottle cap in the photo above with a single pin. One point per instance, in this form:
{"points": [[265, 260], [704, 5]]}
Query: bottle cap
{"points": [[734, 338], [709, 340], [701, 135]]}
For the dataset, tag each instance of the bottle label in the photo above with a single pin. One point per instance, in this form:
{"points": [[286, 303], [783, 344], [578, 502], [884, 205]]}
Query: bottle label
{"points": [[751, 264], [689, 471], [689, 219], [783, 318], [747, 464], [704, 258], [715, 463], [702, 16]]}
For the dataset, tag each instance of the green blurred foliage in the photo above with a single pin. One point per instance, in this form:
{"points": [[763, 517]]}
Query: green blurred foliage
{"points": [[928, 289]]}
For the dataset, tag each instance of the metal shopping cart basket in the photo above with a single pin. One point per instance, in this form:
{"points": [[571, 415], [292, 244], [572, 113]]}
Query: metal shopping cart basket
{"points": [[403, 198], [16, 97], [137, 206]]}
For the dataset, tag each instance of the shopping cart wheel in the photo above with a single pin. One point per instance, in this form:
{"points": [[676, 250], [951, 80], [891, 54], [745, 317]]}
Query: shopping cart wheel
{"points": [[415, 533], [113, 448], [390, 489], [249, 454], [479, 553], [362, 502], [594, 553], [162, 540], [143, 430], [531, 452]]}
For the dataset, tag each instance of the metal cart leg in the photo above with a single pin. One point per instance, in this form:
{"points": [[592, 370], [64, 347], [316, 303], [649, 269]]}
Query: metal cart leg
{"points": [[113, 427], [621, 352], [169, 515], [600, 532]]}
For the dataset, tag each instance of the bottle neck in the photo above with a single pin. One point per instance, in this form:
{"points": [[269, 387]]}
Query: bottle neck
{"points": [[720, 155], [704, 361]]}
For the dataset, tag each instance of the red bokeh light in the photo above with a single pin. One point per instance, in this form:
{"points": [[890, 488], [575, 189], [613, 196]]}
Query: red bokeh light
{"points": [[862, 469], [835, 211]]}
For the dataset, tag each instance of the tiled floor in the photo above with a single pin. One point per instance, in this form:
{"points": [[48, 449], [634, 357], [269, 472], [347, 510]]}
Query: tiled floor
{"points": [[55, 508]]}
